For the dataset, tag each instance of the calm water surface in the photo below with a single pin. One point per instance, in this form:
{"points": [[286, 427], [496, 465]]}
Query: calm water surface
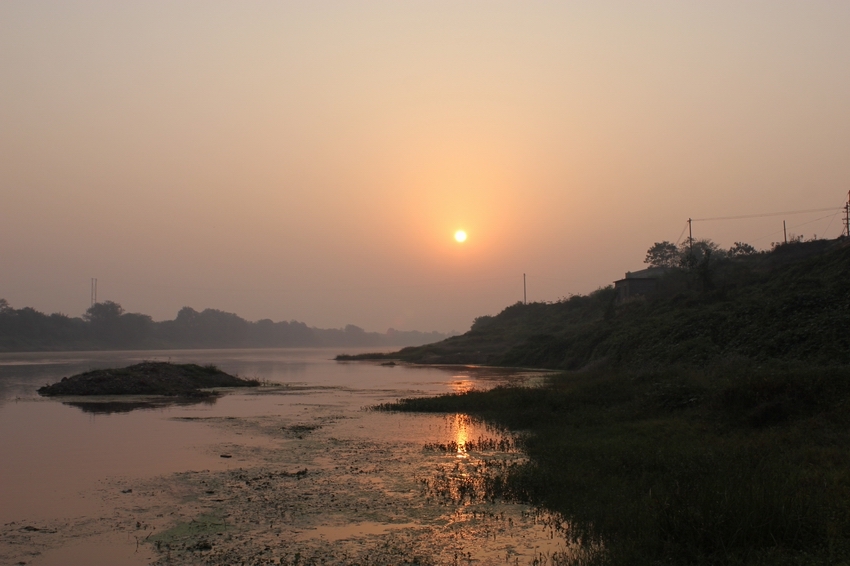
{"points": [[72, 474]]}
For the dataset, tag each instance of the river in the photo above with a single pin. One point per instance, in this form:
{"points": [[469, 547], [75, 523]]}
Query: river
{"points": [[297, 471]]}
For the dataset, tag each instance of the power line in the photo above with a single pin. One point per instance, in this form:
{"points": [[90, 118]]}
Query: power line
{"points": [[803, 224], [832, 216], [679, 239], [764, 215], [828, 226]]}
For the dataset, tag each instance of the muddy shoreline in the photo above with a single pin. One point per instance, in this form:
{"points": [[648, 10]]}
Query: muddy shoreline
{"points": [[312, 478], [319, 492]]}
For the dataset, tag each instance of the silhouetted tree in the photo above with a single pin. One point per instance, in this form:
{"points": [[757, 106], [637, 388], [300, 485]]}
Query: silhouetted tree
{"points": [[100, 313], [741, 249], [699, 252], [112, 327], [135, 329], [663, 254], [186, 315], [481, 321]]}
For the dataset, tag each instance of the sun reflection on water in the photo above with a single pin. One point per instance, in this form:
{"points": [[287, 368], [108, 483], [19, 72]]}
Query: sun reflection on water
{"points": [[461, 384], [461, 435]]}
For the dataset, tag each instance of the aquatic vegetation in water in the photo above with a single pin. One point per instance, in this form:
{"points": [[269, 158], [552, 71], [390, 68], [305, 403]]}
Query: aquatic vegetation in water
{"points": [[332, 490], [732, 465]]}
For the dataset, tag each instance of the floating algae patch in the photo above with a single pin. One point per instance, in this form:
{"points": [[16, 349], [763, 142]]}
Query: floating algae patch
{"points": [[301, 428], [371, 489], [201, 526]]}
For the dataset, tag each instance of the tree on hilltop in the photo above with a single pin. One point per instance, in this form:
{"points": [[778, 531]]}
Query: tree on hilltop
{"points": [[663, 254], [741, 249], [691, 253], [699, 252]]}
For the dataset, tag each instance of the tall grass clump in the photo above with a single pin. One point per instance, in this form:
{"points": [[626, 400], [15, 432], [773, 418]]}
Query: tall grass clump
{"points": [[738, 464]]}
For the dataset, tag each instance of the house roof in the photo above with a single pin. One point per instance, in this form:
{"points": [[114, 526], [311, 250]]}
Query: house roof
{"points": [[648, 273]]}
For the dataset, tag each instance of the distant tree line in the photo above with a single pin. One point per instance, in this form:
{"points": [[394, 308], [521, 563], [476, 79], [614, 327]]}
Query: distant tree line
{"points": [[106, 326]]}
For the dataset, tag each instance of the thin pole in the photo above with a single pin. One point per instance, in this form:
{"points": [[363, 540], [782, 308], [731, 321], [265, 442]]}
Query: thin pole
{"points": [[690, 235], [847, 215], [524, 295], [784, 231]]}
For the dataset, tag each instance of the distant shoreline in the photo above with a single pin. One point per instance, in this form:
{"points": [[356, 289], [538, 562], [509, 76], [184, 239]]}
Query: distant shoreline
{"points": [[106, 326]]}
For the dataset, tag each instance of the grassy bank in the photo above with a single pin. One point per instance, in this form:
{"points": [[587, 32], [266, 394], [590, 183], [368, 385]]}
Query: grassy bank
{"points": [[731, 465], [703, 423], [791, 304]]}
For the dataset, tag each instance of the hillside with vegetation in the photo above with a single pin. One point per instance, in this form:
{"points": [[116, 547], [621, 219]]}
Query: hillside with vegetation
{"points": [[791, 303], [704, 424]]}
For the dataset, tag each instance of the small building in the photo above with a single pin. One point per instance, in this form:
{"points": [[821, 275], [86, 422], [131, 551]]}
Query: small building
{"points": [[638, 283]]}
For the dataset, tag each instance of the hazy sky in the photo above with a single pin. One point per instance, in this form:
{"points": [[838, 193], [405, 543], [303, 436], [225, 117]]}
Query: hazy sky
{"points": [[312, 160]]}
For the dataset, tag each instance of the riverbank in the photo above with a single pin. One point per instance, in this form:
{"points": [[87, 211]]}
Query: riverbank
{"points": [[737, 464], [780, 306]]}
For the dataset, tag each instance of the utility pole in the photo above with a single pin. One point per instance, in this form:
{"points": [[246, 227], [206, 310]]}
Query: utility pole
{"points": [[847, 216], [785, 232], [690, 235], [93, 291], [524, 295]]}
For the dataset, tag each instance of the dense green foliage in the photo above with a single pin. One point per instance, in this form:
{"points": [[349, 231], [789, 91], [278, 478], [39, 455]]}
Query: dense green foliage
{"points": [[734, 465], [790, 304], [106, 326]]}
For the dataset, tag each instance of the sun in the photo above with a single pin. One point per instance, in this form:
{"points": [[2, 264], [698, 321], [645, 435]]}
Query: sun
{"points": [[460, 236]]}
